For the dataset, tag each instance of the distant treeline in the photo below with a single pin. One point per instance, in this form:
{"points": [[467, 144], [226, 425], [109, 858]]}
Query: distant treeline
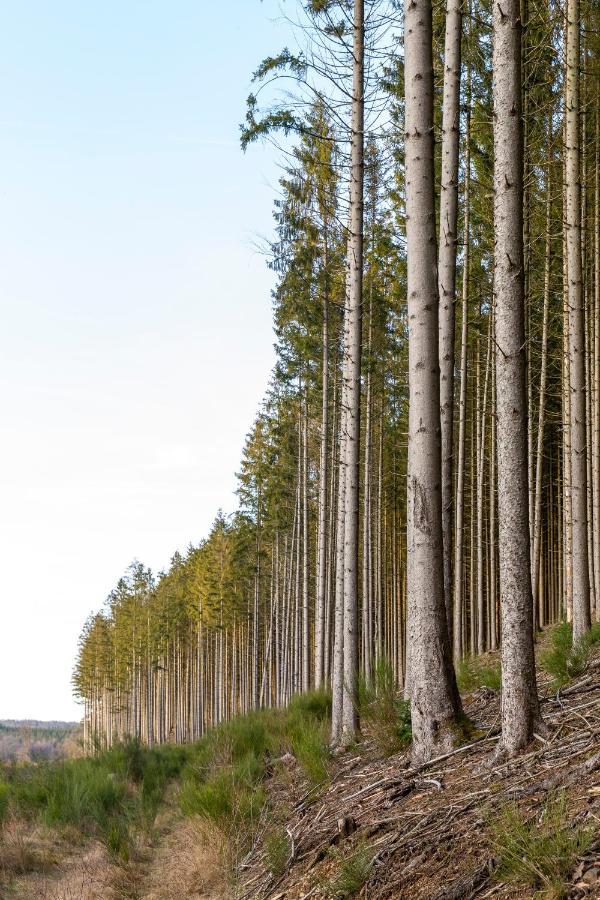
{"points": [[36, 741]]}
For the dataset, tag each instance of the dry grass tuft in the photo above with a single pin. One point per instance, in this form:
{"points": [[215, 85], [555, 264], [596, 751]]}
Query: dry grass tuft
{"points": [[191, 862]]}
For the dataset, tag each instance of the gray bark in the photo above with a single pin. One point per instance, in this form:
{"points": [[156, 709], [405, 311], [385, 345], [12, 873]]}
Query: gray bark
{"points": [[352, 380], [520, 706], [447, 273], [462, 415], [435, 704], [581, 585]]}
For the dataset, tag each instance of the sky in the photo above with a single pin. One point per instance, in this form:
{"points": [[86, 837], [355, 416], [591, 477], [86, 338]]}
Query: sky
{"points": [[135, 310]]}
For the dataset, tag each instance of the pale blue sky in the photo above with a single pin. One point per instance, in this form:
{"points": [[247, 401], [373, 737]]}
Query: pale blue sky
{"points": [[135, 327]]}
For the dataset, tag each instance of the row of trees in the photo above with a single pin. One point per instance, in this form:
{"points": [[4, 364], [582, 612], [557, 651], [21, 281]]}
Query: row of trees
{"points": [[422, 480]]}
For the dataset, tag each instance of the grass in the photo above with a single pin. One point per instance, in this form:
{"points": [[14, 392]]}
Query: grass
{"points": [[538, 851], [352, 873], [115, 794], [473, 673], [277, 851], [3, 802], [383, 710], [563, 661], [223, 779], [107, 796]]}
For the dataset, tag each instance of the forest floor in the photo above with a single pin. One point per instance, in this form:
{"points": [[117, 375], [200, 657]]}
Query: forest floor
{"points": [[468, 825]]}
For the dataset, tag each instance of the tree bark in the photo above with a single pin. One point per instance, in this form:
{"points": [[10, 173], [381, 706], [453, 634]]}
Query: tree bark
{"points": [[435, 703], [447, 273], [353, 381], [581, 585], [458, 592], [520, 706]]}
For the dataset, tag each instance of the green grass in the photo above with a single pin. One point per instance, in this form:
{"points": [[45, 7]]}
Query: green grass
{"points": [[107, 796], [3, 801], [277, 851], [223, 779], [117, 792], [563, 661], [383, 710], [538, 852], [352, 873], [473, 673]]}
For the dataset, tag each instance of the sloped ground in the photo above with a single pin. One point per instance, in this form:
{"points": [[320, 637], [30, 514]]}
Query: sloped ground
{"points": [[428, 833]]}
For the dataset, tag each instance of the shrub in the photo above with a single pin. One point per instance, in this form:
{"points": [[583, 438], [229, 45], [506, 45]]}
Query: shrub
{"points": [[352, 873], [117, 839], [315, 703], [563, 661], [107, 795], [472, 674], [539, 851], [309, 745], [382, 708], [3, 801], [277, 851]]}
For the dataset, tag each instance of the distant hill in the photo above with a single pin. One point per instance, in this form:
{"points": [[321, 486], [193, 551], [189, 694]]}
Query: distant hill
{"points": [[36, 741], [38, 723]]}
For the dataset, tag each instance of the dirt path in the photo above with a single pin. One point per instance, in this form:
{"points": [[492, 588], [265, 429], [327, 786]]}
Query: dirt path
{"points": [[184, 861]]}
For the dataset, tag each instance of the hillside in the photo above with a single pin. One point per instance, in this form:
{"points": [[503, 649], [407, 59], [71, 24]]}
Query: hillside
{"points": [[259, 809]]}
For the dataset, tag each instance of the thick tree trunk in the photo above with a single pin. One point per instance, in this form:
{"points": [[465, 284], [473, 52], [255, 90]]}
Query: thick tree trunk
{"points": [[520, 706], [435, 703]]}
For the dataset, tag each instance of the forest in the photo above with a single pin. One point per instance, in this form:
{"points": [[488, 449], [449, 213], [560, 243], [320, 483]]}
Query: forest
{"points": [[421, 484]]}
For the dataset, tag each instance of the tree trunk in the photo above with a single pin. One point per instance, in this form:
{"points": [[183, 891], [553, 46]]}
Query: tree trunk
{"points": [[458, 592], [353, 381], [322, 547], [435, 703], [520, 706], [581, 585], [537, 519], [447, 273]]}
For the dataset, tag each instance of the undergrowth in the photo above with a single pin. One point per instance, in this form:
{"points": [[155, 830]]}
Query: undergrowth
{"points": [[108, 796], [223, 780], [473, 673], [352, 873], [383, 710], [538, 851], [563, 660], [277, 851]]}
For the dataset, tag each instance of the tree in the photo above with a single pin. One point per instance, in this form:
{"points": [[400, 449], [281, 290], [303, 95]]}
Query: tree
{"points": [[575, 300], [435, 703], [447, 273], [520, 707]]}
